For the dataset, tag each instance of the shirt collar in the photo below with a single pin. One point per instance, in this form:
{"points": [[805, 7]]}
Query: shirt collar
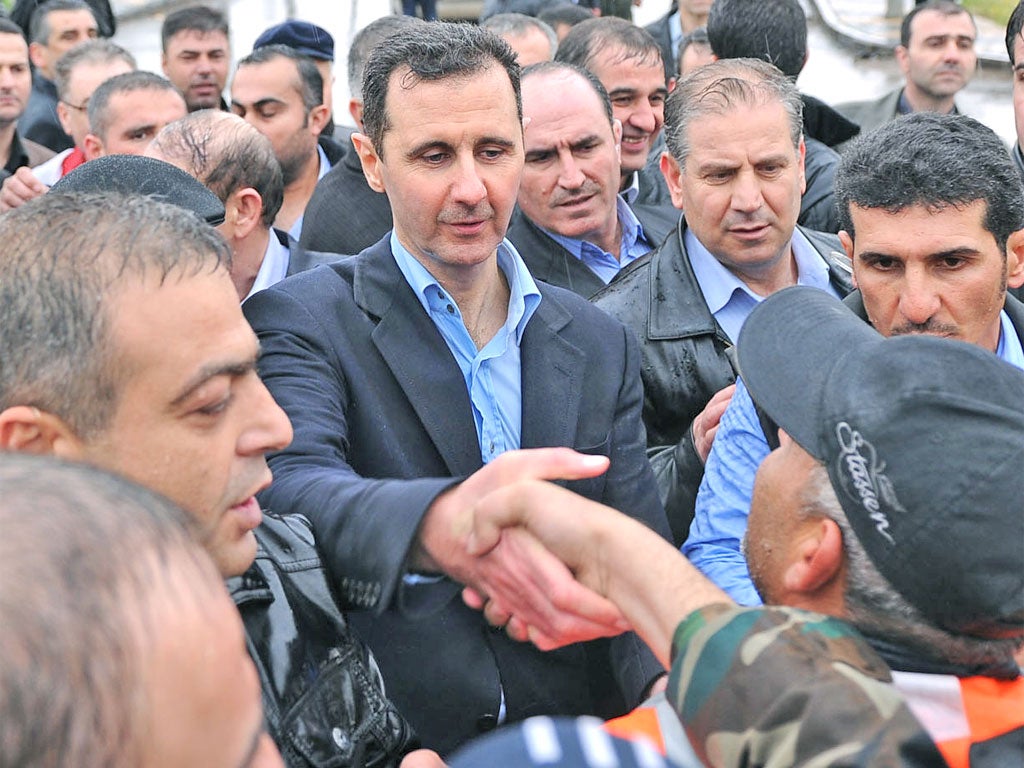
{"points": [[274, 267], [632, 231], [524, 295], [1009, 347], [718, 284], [632, 190]]}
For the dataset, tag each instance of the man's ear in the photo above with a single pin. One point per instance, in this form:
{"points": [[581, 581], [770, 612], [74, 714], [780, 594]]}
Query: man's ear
{"points": [[818, 558], [902, 58], [37, 55], [1015, 259], [163, 63], [370, 161], [355, 108], [62, 116], [245, 208], [318, 117], [673, 178], [847, 243], [92, 147], [27, 429]]}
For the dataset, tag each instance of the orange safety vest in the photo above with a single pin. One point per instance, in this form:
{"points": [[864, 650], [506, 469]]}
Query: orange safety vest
{"points": [[959, 713]]}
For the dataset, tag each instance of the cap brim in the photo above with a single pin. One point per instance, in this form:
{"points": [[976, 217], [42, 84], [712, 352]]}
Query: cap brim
{"points": [[139, 175], [789, 346]]}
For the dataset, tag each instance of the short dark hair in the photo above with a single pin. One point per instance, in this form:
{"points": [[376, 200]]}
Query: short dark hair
{"points": [[366, 40], [309, 84], [431, 52], [127, 82], [1013, 28], [84, 558], [63, 255], [932, 160], [569, 14], [8, 27], [39, 26], [773, 30], [226, 154], [945, 7], [100, 51], [197, 18], [551, 67], [589, 38]]}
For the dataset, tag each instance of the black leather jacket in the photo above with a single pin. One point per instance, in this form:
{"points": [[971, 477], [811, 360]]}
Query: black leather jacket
{"points": [[685, 357], [323, 696]]}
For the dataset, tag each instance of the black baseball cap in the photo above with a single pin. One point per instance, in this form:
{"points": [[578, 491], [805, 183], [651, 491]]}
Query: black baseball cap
{"points": [[923, 440], [137, 175], [306, 38]]}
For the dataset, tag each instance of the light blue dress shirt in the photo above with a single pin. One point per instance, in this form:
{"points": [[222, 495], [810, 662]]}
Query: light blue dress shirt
{"points": [[492, 374], [723, 502], [274, 267], [633, 245], [729, 298]]}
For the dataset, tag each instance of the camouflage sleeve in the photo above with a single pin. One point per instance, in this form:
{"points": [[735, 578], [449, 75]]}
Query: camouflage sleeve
{"points": [[781, 686]]}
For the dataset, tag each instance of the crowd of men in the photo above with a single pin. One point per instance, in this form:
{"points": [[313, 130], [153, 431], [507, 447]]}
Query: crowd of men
{"points": [[594, 398]]}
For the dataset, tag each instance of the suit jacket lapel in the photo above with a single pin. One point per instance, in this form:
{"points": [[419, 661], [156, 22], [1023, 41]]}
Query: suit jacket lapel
{"points": [[552, 378], [419, 358]]}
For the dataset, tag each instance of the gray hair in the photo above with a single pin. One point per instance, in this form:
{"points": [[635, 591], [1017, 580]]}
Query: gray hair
{"points": [[91, 52], [84, 558], [718, 87], [876, 609], [518, 25], [64, 254], [39, 26]]}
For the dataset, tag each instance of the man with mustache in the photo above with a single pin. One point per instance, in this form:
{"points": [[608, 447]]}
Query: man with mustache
{"points": [[572, 227], [936, 56], [933, 219], [410, 370], [735, 167]]}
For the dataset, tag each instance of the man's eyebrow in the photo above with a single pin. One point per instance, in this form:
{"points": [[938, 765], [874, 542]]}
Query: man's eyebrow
{"points": [[212, 371]]}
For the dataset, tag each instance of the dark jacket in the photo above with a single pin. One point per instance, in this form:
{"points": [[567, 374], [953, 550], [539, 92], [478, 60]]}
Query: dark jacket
{"points": [[323, 696], [384, 424], [39, 121], [344, 215], [662, 33], [684, 357], [24, 153], [550, 262], [818, 203]]}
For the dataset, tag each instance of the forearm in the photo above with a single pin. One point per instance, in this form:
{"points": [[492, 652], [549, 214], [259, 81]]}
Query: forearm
{"points": [[652, 584]]}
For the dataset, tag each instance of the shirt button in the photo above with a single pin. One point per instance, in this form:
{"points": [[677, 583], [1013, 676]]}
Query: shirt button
{"points": [[451, 309]]}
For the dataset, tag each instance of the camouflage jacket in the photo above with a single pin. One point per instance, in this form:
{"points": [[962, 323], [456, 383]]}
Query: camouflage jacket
{"points": [[785, 687]]}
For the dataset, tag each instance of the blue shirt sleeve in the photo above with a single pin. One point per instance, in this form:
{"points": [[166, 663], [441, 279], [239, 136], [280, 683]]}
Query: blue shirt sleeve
{"points": [[723, 501]]}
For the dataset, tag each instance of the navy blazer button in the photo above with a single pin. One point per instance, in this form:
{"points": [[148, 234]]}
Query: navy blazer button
{"points": [[486, 723]]}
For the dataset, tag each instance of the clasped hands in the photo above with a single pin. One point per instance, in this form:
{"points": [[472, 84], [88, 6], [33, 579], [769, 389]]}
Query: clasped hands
{"points": [[487, 531]]}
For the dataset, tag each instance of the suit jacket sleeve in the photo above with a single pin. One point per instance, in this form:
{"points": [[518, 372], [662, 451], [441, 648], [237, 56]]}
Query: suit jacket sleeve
{"points": [[364, 526], [631, 489]]}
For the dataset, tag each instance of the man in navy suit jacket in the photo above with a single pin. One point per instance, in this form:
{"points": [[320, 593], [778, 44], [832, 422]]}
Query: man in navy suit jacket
{"points": [[413, 371]]}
